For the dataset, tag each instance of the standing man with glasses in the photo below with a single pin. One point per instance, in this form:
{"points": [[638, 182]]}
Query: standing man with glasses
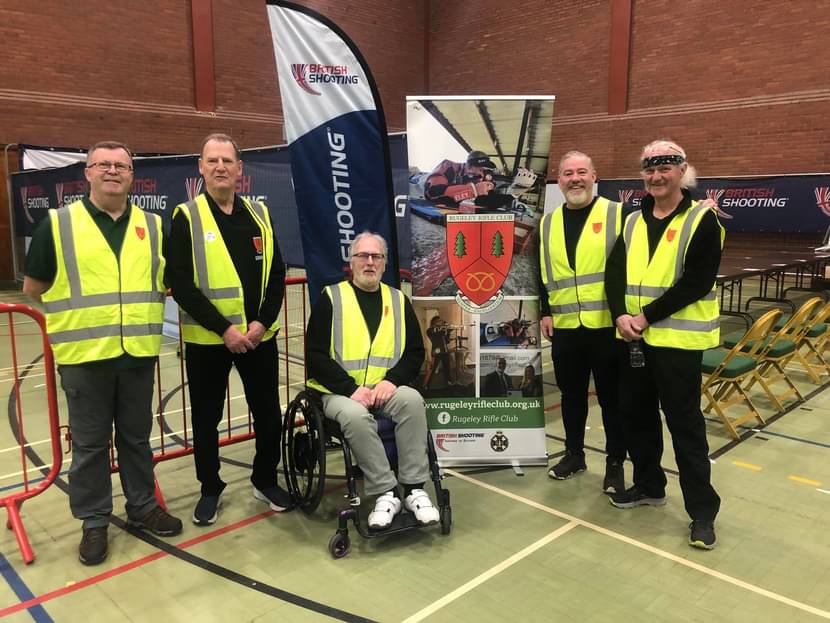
{"points": [[227, 275], [97, 267], [364, 348]]}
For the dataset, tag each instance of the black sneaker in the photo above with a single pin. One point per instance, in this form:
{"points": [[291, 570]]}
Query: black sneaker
{"points": [[207, 510], [159, 522], [614, 481], [702, 534], [93, 547], [634, 496], [567, 466], [277, 498]]}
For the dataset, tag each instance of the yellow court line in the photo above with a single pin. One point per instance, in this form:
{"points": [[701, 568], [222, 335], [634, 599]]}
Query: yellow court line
{"points": [[805, 481], [752, 466], [649, 548], [492, 572]]}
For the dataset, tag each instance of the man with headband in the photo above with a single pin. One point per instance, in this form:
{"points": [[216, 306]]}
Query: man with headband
{"points": [[660, 282]]}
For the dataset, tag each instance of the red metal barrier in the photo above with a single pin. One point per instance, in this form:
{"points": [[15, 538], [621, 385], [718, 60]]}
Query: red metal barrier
{"points": [[14, 501]]}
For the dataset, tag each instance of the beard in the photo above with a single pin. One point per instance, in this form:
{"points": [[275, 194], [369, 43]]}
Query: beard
{"points": [[578, 196]]}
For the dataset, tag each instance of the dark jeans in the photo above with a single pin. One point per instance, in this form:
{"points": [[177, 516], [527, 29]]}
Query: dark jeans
{"points": [[99, 398], [671, 379], [208, 367], [576, 354]]}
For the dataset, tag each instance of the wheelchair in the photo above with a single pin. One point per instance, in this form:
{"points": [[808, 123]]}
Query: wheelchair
{"points": [[307, 436]]}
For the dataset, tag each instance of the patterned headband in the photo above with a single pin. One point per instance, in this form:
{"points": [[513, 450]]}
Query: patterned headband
{"points": [[653, 161]]}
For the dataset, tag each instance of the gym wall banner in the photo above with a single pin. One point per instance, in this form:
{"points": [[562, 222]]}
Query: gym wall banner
{"points": [[786, 204], [162, 182], [476, 194], [336, 136]]}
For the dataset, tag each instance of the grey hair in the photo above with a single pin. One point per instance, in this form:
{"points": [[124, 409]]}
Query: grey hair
{"points": [[666, 146], [576, 154], [369, 234]]}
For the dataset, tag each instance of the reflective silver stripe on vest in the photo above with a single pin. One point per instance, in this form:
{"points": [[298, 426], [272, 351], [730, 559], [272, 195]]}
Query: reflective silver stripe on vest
{"points": [[188, 319], [658, 291], [337, 326], [337, 335], [77, 300], [198, 233], [113, 330], [685, 234], [579, 280], [546, 250], [700, 326], [572, 308], [155, 251], [629, 228], [610, 228], [259, 209]]}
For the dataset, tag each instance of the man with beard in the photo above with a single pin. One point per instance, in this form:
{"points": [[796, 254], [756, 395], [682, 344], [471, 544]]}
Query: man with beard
{"points": [[575, 240]]}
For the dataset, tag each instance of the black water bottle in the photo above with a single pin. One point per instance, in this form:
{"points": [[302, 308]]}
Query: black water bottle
{"points": [[636, 356]]}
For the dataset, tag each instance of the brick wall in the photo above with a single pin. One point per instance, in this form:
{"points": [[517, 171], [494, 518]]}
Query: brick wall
{"points": [[743, 87]]}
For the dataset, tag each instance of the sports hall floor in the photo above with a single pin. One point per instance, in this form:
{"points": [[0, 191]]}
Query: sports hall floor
{"points": [[522, 548]]}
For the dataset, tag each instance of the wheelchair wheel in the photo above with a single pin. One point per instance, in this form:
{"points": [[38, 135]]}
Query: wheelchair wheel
{"points": [[304, 451], [339, 545]]}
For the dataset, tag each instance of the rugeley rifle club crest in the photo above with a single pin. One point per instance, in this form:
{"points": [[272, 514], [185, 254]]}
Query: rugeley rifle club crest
{"points": [[479, 252]]}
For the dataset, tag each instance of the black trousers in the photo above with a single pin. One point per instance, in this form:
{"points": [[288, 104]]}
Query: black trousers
{"points": [[670, 379], [577, 353], [208, 367]]}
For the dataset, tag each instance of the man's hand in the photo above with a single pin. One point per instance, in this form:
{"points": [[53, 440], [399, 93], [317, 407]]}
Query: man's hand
{"points": [[383, 391], [628, 330], [364, 396], [546, 323], [255, 332], [235, 341], [640, 323], [483, 187]]}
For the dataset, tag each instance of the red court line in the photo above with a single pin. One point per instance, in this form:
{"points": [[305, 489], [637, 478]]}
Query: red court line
{"points": [[95, 579]]}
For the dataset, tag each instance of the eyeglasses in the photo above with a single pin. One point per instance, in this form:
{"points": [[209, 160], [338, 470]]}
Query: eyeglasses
{"points": [[377, 257], [106, 166]]}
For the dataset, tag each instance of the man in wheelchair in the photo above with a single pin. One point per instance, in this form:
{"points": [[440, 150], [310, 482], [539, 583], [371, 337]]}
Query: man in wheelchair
{"points": [[363, 348]]}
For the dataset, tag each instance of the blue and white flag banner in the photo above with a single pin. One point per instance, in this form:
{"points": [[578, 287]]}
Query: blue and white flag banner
{"points": [[336, 133]]}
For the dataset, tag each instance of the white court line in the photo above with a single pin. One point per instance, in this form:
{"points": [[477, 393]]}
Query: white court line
{"points": [[492, 572], [649, 548]]}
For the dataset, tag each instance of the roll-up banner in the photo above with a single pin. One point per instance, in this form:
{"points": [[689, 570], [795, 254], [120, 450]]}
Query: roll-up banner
{"points": [[476, 194], [336, 135]]}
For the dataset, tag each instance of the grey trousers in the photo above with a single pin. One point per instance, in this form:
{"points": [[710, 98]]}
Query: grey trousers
{"points": [[97, 399], [405, 408]]}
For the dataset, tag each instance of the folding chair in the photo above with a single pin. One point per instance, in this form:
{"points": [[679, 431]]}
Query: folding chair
{"points": [[814, 339], [779, 350], [726, 370]]}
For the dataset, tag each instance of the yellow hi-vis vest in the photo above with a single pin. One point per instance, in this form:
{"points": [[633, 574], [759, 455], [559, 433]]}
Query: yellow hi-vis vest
{"points": [[696, 326], [101, 306], [577, 296], [214, 272], [367, 362]]}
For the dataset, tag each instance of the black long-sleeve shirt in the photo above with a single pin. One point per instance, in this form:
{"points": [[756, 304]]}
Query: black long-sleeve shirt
{"points": [[700, 268], [239, 232], [322, 368]]}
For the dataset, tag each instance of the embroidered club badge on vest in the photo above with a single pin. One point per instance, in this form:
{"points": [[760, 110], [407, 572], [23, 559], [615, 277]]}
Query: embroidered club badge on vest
{"points": [[139, 231], [597, 227], [670, 234]]}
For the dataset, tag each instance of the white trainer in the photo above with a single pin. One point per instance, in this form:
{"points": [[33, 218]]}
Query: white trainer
{"points": [[420, 505], [386, 507]]}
